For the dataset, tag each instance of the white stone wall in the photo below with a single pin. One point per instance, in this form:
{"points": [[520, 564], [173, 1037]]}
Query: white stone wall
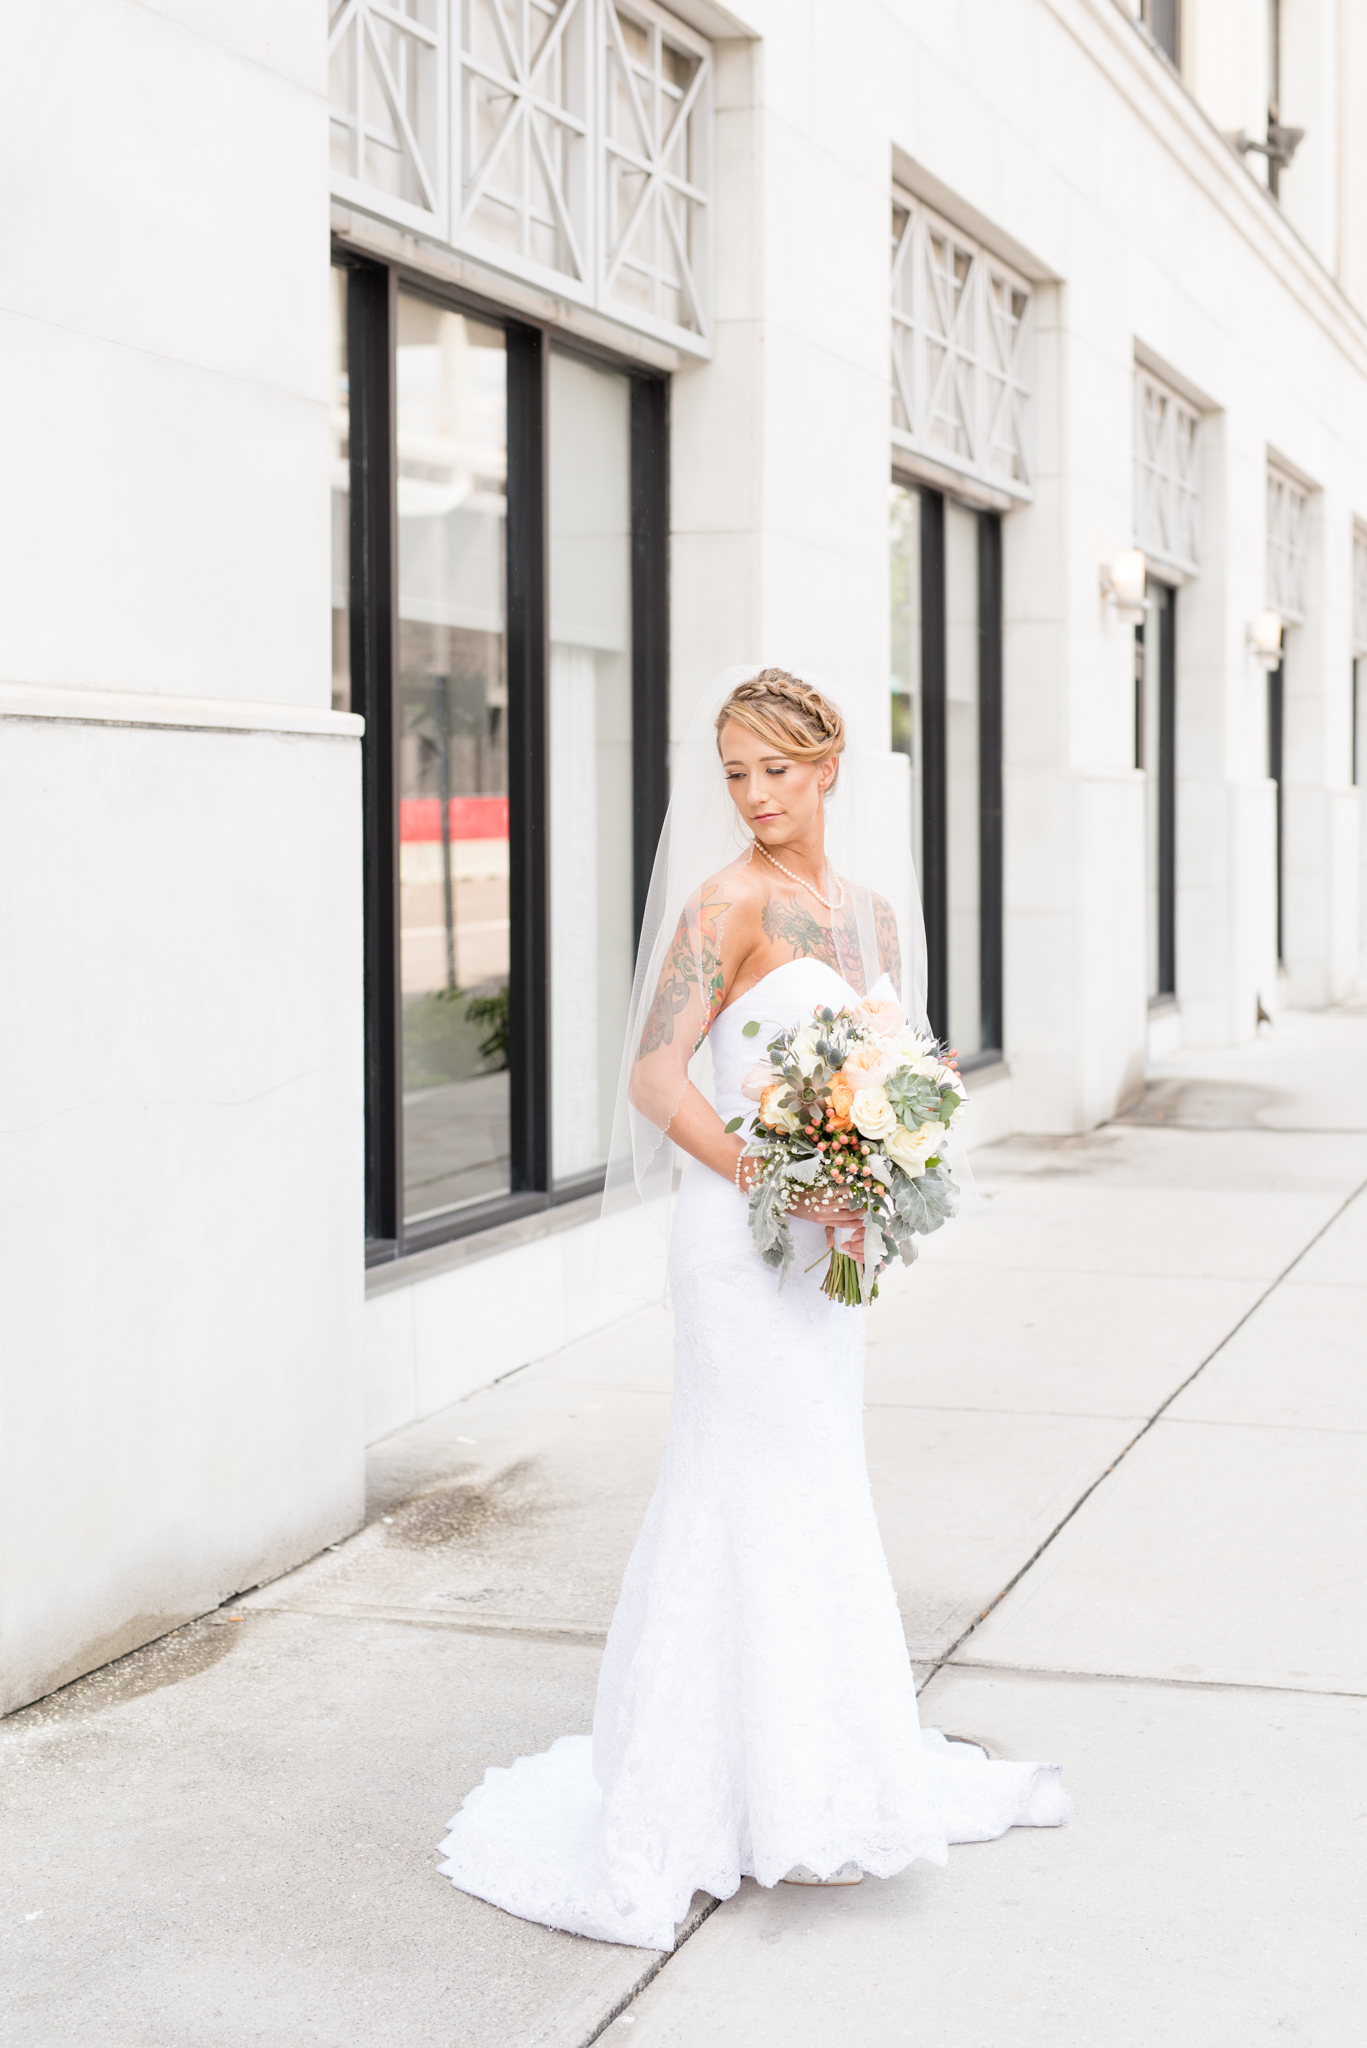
{"points": [[180, 1041], [1051, 127], [179, 828]]}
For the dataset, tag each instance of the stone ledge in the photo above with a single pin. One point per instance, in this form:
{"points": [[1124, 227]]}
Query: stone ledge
{"points": [[481, 1244]]}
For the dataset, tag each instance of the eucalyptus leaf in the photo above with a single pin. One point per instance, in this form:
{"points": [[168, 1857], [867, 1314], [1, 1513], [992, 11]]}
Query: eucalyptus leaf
{"points": [[734, 1125], [750, 1030]]}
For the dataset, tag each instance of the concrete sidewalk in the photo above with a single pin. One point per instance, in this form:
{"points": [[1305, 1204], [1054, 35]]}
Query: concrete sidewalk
{"points": [[1118, 1432]]}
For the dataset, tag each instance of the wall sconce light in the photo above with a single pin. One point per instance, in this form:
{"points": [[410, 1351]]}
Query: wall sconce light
{"points": [[1265, 640], [1122, 584]]}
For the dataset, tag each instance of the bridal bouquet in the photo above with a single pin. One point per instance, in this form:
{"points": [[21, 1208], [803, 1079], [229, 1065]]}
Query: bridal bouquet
{"points": [[855, 1107]]}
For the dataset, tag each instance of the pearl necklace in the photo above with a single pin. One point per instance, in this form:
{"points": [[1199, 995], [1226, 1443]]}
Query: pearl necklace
{"points": [[824, 900]]}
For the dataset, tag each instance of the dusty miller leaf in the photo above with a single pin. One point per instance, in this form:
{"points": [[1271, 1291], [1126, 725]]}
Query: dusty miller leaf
{"points": [[769, 1224], [926, 1203]]}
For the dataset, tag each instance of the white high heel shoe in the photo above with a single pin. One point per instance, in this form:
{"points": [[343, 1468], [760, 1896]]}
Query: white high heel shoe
{"points": [[848, 1873]]}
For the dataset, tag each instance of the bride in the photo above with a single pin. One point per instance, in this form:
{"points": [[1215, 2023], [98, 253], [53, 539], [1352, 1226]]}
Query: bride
{"points": [[756, 1713]]}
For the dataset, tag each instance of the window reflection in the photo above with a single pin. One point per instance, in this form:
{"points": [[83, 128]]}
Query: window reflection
{"points": [[906, 649], [590, 755], [453, 782], [341, 498], [963, 785]]}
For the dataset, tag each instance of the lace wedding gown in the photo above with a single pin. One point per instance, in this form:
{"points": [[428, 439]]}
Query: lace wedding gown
{"points": [[756, 1708]]}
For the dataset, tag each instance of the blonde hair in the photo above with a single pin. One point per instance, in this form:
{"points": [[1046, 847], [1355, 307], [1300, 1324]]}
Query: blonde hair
{"points": [[794, 719]]}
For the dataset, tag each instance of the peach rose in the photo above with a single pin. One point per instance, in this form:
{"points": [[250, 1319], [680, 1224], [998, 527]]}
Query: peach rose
{"points": [[841, 1103], [761, 1076], [778, 1118], [881, 1013], [868, 1066]]}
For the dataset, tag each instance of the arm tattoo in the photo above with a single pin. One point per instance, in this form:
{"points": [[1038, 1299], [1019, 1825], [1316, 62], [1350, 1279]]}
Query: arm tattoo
{"points": [[685, 970]]}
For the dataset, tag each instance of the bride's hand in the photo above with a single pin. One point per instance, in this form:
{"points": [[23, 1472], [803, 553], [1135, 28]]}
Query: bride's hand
{"points": [[846, 1233], [850, 1222]]}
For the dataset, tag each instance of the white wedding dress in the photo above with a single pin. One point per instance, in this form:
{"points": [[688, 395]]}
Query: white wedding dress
{"points": [[756, 1708]]}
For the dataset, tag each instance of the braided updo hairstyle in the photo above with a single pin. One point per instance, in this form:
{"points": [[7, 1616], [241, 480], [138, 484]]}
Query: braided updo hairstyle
{"points": [[795, 719]]}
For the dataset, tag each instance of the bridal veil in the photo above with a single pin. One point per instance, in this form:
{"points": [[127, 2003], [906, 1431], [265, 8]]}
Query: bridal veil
{"points": [[868, 844]]}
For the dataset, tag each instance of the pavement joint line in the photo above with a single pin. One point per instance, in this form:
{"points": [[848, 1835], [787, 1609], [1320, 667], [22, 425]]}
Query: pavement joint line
{"points": [[1135, 1273], [459, 1624], [647, 1976], [1138, 1123], [987, 1408], [1295, 1692], [1238, 1422], [1157, 1415]]}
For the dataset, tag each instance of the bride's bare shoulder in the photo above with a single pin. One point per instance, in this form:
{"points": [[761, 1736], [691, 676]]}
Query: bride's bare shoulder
{"points": [[735, 887]]}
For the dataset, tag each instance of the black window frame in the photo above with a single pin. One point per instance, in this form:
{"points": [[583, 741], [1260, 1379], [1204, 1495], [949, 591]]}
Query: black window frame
{"points": [[1165, 768], [1276, 768], [371, 318], [933, 864]]}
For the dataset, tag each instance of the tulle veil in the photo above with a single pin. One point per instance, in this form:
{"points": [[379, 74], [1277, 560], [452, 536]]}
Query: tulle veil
{"points": [[868, 844]]}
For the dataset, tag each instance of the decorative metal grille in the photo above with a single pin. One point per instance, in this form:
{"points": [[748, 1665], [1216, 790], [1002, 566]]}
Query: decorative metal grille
{"points": [[1359, 590], [961, 336], [655, 166], [523, 124], [1287, 513], [386, 79], [567, 142], [1167, 483]]}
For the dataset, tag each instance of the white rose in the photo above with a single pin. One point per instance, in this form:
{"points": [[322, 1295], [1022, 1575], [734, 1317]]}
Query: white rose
{"points": [[911, 1149], [758, 1079], [872, 1114]]}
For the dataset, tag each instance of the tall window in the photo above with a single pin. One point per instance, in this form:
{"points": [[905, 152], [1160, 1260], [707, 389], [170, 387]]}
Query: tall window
{"points": [[591, 892], [1359, 700], [1276, 768], [1288, 520], [1155, 751], [451, 411], [1163, 20], [946, 717], [1167, 526], [499, 591]]}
